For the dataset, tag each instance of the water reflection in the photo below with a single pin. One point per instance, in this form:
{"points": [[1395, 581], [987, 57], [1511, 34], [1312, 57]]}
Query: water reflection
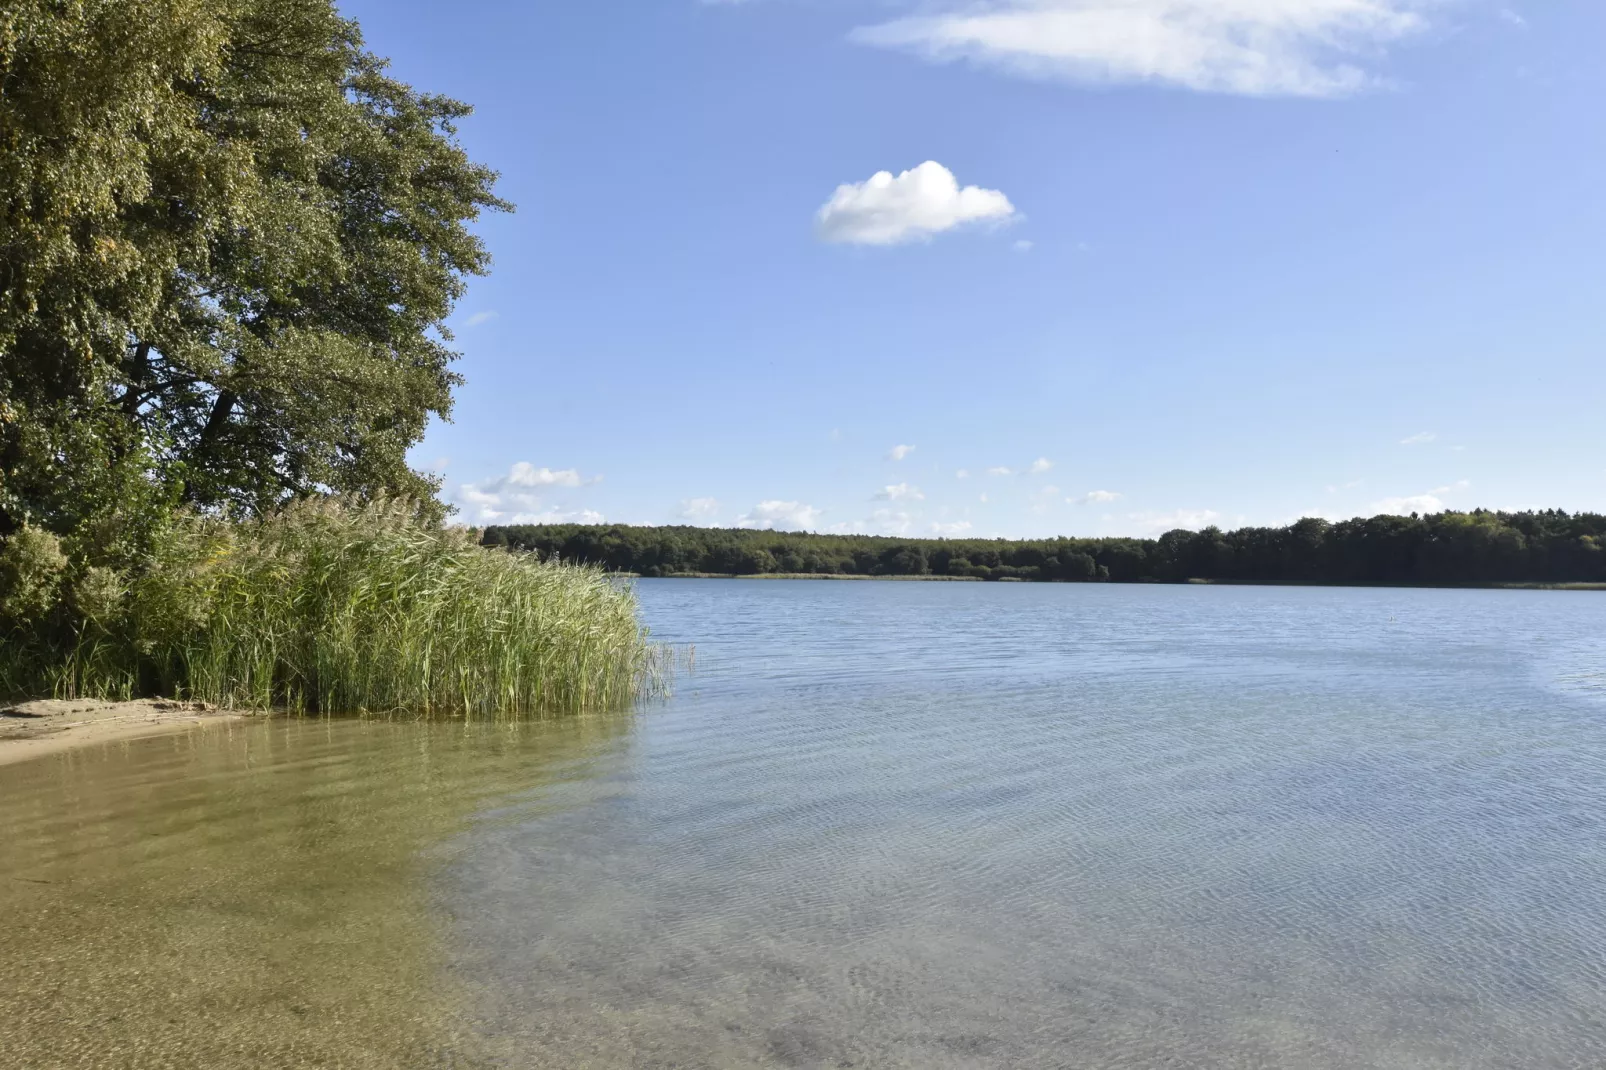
{"points": [[255, 895]]}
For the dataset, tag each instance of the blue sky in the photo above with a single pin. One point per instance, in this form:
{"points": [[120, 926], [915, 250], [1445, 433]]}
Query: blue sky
{"points": [[1155, 263]]}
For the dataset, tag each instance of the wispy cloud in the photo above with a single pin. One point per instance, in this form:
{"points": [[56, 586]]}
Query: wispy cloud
{"points": [[963, 473], [1512, 18], [480, 317], [1302, 48], [1420, 438], [1095, 497], [899, 492], [888, 209], [898, 453], [1041, 465], [1022, 245], [950, 530], [1000, 470], [781, 515], [698, 509], [1191, 519]]}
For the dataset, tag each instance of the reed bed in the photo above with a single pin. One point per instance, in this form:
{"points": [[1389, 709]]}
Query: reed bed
{"points": [[337, 609]]}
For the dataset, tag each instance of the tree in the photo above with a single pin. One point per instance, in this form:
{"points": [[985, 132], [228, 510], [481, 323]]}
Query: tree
{"points": [[228, 245]]}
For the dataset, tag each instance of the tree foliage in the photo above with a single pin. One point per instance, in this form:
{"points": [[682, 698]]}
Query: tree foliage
{"points": [[1480, 547], [228, 242]]}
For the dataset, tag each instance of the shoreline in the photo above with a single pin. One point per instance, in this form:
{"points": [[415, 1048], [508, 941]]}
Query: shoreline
{"points": [[1192, 582], [44, 727]]}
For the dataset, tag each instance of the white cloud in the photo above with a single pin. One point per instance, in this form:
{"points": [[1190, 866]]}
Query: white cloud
{"points": [[559, 516], [898, 453], [1253, 47], [1419, 438], [480, 317], [1095, 497], [1416, 503], [1510, 16], [525, 474], [1429, 502], [887, 209], [512, 498], [899, 492], [1041, 465], [697, 508], [1192, 519], [983, 499], [1022, 246], [963, 473], [1000, 470], [779, 514], [958, 527]]}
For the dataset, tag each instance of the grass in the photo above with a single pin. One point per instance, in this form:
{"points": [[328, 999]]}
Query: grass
{"points": [[336, 609]]}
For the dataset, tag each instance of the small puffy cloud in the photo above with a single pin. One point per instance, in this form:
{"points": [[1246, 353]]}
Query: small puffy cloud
{"points": [[1000, 470], [697, 508], [950, 530], [1301, 48], [480, 317], [1022, 246], [1095, 497], [1191, 519], [899, 492], [780, 515], [888, 209], [1041, 465], [513, 498], [982, 499], [898, 453], [1420, 438]]}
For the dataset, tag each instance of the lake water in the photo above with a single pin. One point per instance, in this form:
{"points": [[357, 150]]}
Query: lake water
{"points": [[917, 825]]}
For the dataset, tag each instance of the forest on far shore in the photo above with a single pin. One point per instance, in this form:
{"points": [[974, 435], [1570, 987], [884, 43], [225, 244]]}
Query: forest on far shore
{"points": [[1450, 548]]}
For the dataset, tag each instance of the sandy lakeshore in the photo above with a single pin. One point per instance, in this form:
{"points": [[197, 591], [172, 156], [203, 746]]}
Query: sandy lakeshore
{"points": [[47, 726]]}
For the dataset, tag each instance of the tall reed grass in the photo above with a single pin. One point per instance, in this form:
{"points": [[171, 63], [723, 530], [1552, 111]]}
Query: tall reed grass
{"points": [[331, 608]]}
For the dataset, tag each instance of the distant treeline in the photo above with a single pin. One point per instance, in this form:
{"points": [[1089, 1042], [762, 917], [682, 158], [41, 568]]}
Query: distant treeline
{"points": [[1445, 548]]}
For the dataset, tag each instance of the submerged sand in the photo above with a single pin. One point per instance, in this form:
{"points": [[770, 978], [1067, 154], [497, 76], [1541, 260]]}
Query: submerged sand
{"points": [[48, 726]]}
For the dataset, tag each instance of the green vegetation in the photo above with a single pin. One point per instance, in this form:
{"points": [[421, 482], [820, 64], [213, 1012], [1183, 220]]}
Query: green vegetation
{"points": [[322, 607], [229, 243], [1481, 547]]}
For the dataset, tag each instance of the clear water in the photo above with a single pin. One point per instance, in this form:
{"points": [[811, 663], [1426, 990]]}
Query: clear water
{"points": [[882, 825]]}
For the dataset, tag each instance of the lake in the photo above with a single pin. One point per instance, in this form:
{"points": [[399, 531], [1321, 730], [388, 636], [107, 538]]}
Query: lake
{"points": [[920, 825]]}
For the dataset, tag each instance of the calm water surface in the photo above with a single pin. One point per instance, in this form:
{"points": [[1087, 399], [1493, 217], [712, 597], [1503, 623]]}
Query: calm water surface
{"points": [[882, 825]]}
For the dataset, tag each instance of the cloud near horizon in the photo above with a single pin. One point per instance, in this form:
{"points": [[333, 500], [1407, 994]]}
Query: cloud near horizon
{"points": [[780, 516], [916, 205], [1262, 48], [697, 509], [513, 498]]}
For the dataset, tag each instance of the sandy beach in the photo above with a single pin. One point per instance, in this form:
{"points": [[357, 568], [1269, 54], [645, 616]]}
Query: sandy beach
{"points": [[48, 726]]}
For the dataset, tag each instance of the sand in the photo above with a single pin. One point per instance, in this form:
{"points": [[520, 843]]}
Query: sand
{"points": [[49, 726]]}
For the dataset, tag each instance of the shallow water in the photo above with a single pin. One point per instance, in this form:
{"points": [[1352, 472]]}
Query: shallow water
{"points": [[882, 825]]}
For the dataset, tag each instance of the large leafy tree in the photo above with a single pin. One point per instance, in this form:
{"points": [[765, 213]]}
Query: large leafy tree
{"points": [[228, 242]]}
